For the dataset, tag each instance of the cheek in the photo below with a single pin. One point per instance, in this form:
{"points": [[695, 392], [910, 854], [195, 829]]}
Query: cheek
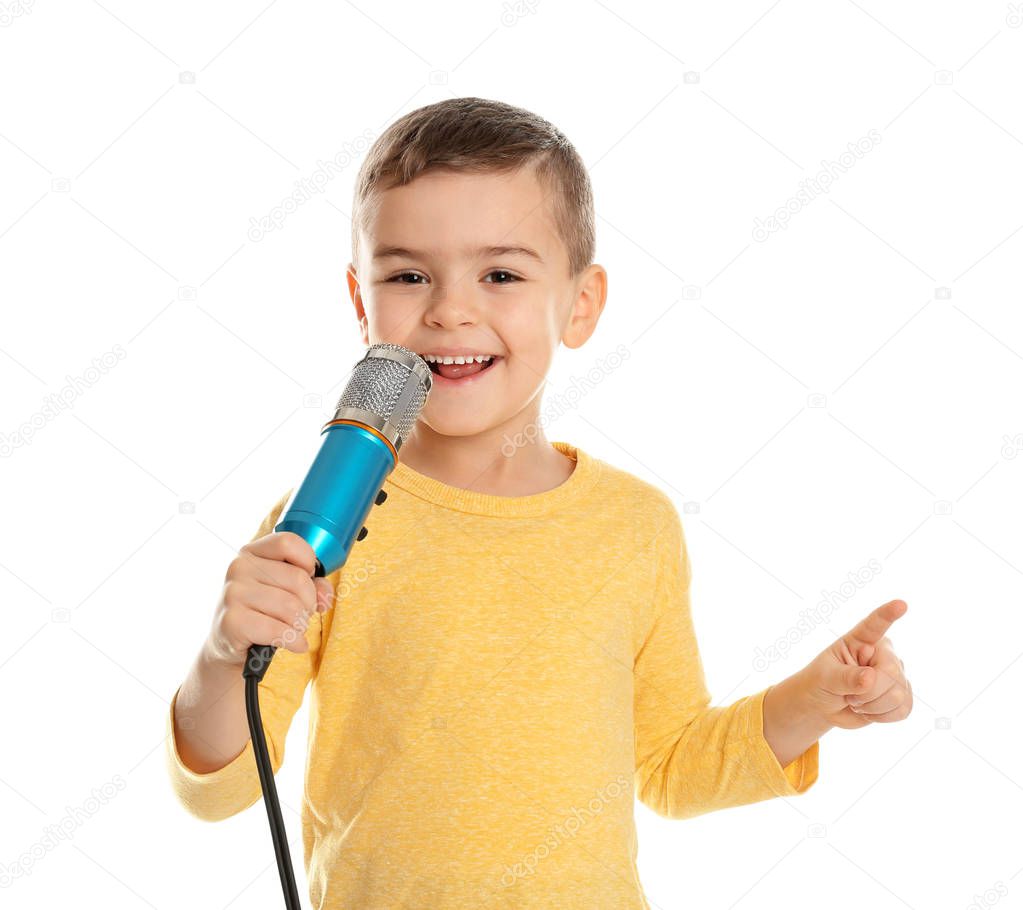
{"points": [[389, 316], [529, 327], [529, 365], [531, 340]]}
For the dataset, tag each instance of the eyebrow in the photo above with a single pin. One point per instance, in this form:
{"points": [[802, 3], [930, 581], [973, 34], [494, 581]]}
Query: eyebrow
{"points": [[395, 251]]}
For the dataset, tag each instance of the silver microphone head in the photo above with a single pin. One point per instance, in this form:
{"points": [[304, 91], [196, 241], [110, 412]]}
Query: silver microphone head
{"points": [[386, 391]]}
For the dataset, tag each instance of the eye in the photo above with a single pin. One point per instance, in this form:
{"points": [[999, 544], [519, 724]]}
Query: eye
{"points": [[511, 278], [397, 278]]}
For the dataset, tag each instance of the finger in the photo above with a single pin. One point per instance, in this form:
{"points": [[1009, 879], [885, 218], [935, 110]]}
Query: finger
{"points": [[871, 630], [275, 602], [266, 630], [887, 676], [889, 701], [880, 656], [278, 574], [293, 639], [286, 546], [288, 636], [864, 654], [899, 713], [274, 575], [847, 679]]}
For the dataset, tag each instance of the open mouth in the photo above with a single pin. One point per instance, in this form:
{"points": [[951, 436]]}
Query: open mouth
{"points": [[459, 371]]}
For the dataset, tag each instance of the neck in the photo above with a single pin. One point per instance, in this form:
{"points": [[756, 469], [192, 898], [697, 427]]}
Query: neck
{"points": [[488, 462]]}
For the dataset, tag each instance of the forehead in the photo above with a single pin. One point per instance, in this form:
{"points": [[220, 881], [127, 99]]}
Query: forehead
{"points": [[447, 211]]}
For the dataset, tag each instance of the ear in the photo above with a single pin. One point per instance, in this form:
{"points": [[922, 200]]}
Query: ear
{"points": [[590, 296], [355, 292]]}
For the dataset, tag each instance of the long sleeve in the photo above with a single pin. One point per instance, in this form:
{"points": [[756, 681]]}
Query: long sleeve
{"points": [[692, 758], [225, 792]]}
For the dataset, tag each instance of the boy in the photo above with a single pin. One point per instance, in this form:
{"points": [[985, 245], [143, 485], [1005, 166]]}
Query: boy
{"points": [[510, 657]]}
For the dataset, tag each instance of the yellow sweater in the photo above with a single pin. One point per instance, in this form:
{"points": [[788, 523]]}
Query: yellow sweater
{"points": [[499, 679]]}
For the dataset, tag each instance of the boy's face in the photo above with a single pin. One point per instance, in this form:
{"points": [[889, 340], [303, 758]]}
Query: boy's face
{"points": [[427, 283]]}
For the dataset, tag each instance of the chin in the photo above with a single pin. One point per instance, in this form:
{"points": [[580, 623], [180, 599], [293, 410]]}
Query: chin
{"points": [[457, 421], [456, 425]]}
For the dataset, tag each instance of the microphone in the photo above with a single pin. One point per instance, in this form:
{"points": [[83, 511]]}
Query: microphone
{"points": [[377, 410], [374, 416]]}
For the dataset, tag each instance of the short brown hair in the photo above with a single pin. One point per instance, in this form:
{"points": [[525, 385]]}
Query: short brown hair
{"points": [[478, 134]]}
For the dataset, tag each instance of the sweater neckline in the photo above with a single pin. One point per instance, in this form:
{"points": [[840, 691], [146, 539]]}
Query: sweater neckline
{"points": [[462, 500]]}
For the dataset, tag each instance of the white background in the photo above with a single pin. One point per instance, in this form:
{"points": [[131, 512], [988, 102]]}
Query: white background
{"points": [[812, 401]]}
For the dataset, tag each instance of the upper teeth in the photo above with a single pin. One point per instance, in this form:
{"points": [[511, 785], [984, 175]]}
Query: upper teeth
{"points": [[468, 358]]}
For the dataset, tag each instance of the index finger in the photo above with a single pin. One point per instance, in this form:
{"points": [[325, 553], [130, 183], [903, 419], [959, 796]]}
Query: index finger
{"points": [[871, 629], [286, 546]]}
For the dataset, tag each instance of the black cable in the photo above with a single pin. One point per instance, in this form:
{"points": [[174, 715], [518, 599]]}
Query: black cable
{"points": [[256, 665], [273, 808]]}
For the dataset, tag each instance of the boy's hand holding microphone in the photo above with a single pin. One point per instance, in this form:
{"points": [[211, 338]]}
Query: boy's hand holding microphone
{"points": [[269, 595]]}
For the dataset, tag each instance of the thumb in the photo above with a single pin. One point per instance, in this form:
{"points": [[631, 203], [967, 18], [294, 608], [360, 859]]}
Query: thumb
{"points": [[852, 680], [324, 594]]}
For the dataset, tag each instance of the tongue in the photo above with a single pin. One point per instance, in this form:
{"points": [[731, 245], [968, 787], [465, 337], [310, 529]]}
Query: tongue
{"points": [[458, 370]]}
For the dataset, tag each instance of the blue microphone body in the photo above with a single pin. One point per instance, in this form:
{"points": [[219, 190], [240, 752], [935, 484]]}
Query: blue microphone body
{"points": [[330, 507], [374, 416]]}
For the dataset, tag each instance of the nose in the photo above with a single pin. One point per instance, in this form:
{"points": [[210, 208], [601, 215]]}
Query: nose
{"points": [[451, 306]]}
